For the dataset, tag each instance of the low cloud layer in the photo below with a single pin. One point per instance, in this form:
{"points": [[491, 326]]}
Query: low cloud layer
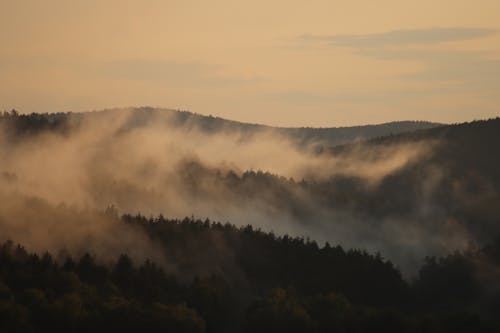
{"points": [[403, 37], [142, 162]]}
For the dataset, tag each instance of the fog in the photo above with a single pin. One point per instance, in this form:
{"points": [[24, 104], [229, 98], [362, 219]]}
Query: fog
{"points": [[150, 165]]}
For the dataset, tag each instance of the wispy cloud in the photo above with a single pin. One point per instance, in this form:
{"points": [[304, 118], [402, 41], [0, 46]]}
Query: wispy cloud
{"points": [[471, 71], [402, 37]]}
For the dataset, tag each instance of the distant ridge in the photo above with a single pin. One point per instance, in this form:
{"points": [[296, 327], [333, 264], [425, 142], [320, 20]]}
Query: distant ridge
{"points": [[326, 136]]}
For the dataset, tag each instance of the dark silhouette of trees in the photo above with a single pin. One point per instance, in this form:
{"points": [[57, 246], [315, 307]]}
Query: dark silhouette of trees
{"points": [[270, 283]]}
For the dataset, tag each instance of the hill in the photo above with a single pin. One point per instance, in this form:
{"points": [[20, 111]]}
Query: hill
{"points": [[190, 121], [413, 219], [408, 195], [252, 281]]}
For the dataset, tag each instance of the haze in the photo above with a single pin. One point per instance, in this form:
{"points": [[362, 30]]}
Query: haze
{"points": [[285, 63]]}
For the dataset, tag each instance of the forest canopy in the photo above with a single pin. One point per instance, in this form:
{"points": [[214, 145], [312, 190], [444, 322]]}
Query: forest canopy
{"points": [[253, 281]]}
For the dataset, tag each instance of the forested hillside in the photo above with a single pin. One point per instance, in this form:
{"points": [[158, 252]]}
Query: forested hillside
{"points": [[252, 282], [188, 121], [398, 233], [409, 195]]}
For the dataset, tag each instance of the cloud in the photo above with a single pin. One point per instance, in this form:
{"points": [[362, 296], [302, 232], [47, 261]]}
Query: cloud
{"points": [[402, 37], [145, 161], [463, 70]]}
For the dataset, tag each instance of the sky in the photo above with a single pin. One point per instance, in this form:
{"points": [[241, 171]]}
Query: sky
{"points": [[283, 63]]}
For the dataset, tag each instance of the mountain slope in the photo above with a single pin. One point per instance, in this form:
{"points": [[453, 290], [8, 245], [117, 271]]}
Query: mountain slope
{"points": [[408, 195], [189, 121], [301, 135]]}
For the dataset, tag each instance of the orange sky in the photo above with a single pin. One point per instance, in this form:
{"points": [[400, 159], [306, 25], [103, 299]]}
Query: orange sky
{"points": [[287, 63]]}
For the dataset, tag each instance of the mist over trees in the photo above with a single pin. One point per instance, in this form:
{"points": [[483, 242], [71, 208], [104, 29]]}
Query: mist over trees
{"points": [[390, 227], [408, 195], [303, 136]]}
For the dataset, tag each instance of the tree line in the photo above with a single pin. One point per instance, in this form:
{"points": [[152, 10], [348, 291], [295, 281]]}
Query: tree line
{"points": [[253, 281]]}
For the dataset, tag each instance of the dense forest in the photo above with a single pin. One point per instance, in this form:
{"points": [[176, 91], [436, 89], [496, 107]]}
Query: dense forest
{"points": [[329, 136], [268, 283], [320, 231]]}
